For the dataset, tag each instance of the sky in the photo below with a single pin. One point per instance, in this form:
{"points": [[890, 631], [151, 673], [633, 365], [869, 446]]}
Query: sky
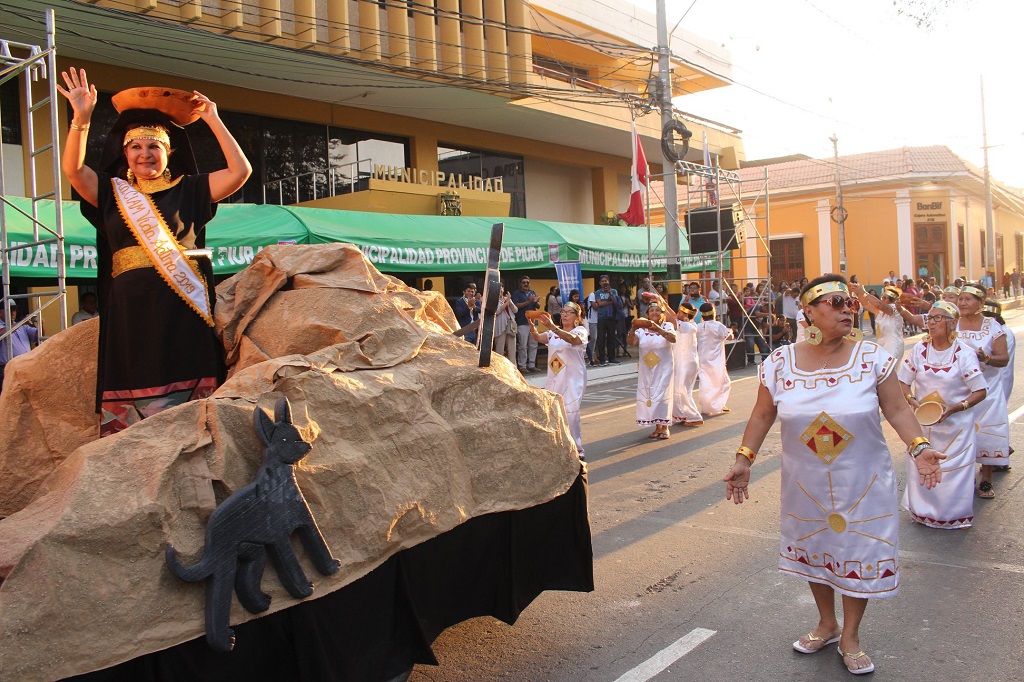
{"points": [[809, 69]]}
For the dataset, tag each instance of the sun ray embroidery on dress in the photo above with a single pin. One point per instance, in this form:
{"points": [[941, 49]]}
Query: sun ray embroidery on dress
{"points": [[836, 521]]}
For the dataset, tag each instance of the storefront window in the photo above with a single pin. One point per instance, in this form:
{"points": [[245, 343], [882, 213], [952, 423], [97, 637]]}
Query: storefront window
{"points": [[470, 162]]}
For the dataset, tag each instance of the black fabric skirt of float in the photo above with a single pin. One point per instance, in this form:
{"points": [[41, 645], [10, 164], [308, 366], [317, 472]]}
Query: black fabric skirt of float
{"points": [[381, 625]]}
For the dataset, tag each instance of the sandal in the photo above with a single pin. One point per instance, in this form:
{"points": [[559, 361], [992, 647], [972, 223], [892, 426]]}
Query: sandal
{"points": [[693, 425], [654, 434], [869, 668], [812, 639], [663, 435], [985, 490]]}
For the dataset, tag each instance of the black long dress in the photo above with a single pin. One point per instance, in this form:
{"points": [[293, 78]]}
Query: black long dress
{"points": [[154, 351]]}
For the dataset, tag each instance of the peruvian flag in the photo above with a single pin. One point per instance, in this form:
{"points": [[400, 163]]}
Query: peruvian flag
{"points": [[635, 215], [710, 186]]}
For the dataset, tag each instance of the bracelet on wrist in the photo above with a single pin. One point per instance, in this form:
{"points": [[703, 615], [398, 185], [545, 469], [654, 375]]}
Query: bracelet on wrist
{"points": [[918, 448], [965, 405], [747, 452], [75, 126]]}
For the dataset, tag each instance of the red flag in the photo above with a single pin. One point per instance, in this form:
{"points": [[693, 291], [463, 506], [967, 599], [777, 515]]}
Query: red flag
{"points": [[635, 215]]}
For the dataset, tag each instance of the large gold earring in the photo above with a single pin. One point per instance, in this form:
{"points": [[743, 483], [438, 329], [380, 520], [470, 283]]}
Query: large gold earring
{"points": [[167, 174], [856, 335], [953, 336], [131, 176], [814, 336]]}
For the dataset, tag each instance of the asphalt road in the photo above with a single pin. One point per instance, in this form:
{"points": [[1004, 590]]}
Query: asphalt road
{"points": [[687, 584]]}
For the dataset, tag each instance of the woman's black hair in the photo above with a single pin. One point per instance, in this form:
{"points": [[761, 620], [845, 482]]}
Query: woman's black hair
{"points": [[574, 291], [993, 309], [707, 310], [827, 277], [112, 160]]}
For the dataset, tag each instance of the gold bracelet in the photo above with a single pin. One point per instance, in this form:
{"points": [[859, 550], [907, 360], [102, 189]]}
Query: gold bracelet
{"points": [[966, 405], [917, 441], [747, 452], [75, 126]]}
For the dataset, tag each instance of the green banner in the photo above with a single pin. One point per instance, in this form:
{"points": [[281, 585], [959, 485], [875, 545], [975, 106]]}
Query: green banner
{"points": [[394, 243]]}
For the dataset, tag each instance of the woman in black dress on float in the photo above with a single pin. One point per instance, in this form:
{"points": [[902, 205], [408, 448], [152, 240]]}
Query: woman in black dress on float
{"points": [[149, 205]]}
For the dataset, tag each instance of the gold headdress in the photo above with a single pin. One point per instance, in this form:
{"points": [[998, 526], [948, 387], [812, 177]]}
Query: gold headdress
{"points": [[949, 308], [951, 290], [148, 132], [973, 290], [575, 307], [893, 292], [820, 290]]}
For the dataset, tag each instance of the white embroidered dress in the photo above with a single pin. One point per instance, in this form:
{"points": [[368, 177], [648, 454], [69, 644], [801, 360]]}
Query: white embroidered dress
{"points": [[945, 377], [684, 409], [839, 516], [889, 334], [654, 378], [991, 422], [712, 372], [567, 376], [1007, 372]]}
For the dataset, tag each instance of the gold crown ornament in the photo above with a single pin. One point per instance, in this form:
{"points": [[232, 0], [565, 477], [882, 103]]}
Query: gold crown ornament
{"points": [[977, 292], [953, 311], [820, 290]]}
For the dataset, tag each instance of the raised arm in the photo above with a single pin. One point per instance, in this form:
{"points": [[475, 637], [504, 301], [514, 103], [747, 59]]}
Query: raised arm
{"points": [[226, 181], [82, 97], [909, 317]]}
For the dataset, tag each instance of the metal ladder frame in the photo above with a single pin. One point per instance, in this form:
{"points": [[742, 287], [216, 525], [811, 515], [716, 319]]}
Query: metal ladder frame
{"points": [[35, 64]]}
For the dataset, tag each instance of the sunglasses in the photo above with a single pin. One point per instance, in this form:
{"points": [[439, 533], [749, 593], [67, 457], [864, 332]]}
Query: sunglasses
{"points": [[838, 302]]}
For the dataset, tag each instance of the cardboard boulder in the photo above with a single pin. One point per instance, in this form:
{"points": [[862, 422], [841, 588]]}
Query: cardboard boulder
{"points": [[409, 439]]}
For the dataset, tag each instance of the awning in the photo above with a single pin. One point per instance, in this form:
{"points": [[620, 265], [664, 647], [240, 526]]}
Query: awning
{"points": [[394, 243]]}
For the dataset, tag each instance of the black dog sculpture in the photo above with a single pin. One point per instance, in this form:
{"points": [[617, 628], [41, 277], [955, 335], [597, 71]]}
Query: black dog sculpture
{"points": [[258, 519]]}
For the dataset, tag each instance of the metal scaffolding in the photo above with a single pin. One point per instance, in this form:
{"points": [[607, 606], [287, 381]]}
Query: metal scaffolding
{"points": [[712, 191], [33, 64]]}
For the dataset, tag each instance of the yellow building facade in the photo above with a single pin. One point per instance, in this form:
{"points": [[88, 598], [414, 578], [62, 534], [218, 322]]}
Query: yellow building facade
{"points": [[914, 211]]}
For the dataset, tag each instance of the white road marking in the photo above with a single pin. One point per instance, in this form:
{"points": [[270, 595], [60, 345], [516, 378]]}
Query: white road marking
{"points": [[667, 656], [633, 407], [1015, 415]]}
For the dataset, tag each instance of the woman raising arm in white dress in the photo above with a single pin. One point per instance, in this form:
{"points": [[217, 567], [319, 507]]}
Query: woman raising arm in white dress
{"points": [[567, 366]]}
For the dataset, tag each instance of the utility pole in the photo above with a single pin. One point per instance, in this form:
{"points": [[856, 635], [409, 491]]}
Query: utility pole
{"points": [[839, 213], [990, 232], [668, 166]]}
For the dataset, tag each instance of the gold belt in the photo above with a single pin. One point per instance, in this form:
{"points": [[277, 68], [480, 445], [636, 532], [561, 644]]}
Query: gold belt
{"points": [[134, 258]]}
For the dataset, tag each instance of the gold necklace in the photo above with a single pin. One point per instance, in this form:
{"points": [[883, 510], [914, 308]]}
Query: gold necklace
{"points": [[158, 184]]}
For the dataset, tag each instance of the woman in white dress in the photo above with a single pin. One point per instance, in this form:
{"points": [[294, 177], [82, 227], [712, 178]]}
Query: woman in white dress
{"points": [[986, 338], [654, 336], [994, 310], [711, 370], [839, 513], [505, 325], [888, 323], [942, 370], [567, 366], [684, 409]]}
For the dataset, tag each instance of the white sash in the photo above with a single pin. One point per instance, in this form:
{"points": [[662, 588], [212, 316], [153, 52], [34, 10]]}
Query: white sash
{"points": [[167, 256]]}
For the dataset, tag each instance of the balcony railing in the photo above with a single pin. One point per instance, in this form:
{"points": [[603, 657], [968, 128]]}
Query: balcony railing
{"points": [[344, 178]]}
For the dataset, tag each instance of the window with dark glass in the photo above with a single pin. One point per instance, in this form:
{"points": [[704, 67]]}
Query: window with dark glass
{"points": [[961, 240], [352, 154], [487, 165], [10, 111]]}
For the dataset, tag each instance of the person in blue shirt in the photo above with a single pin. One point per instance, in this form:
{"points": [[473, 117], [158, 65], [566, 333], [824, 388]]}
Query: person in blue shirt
{"points": [[695, 298], [20, 340], [525, 299], [605, 302], [467, 310]]}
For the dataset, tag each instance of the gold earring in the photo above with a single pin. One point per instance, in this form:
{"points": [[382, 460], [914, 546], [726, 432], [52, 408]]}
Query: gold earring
{"points": [[130, 175], [953, 336], [167, 174], [856, 335], [814, 335]]}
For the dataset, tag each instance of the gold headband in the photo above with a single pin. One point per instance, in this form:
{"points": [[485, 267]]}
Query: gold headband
{"points": [[951, 290], [977, 292], [575, 307], [892, 291], [992, 307], [821, 289], [157, 133], [949, 308]]}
